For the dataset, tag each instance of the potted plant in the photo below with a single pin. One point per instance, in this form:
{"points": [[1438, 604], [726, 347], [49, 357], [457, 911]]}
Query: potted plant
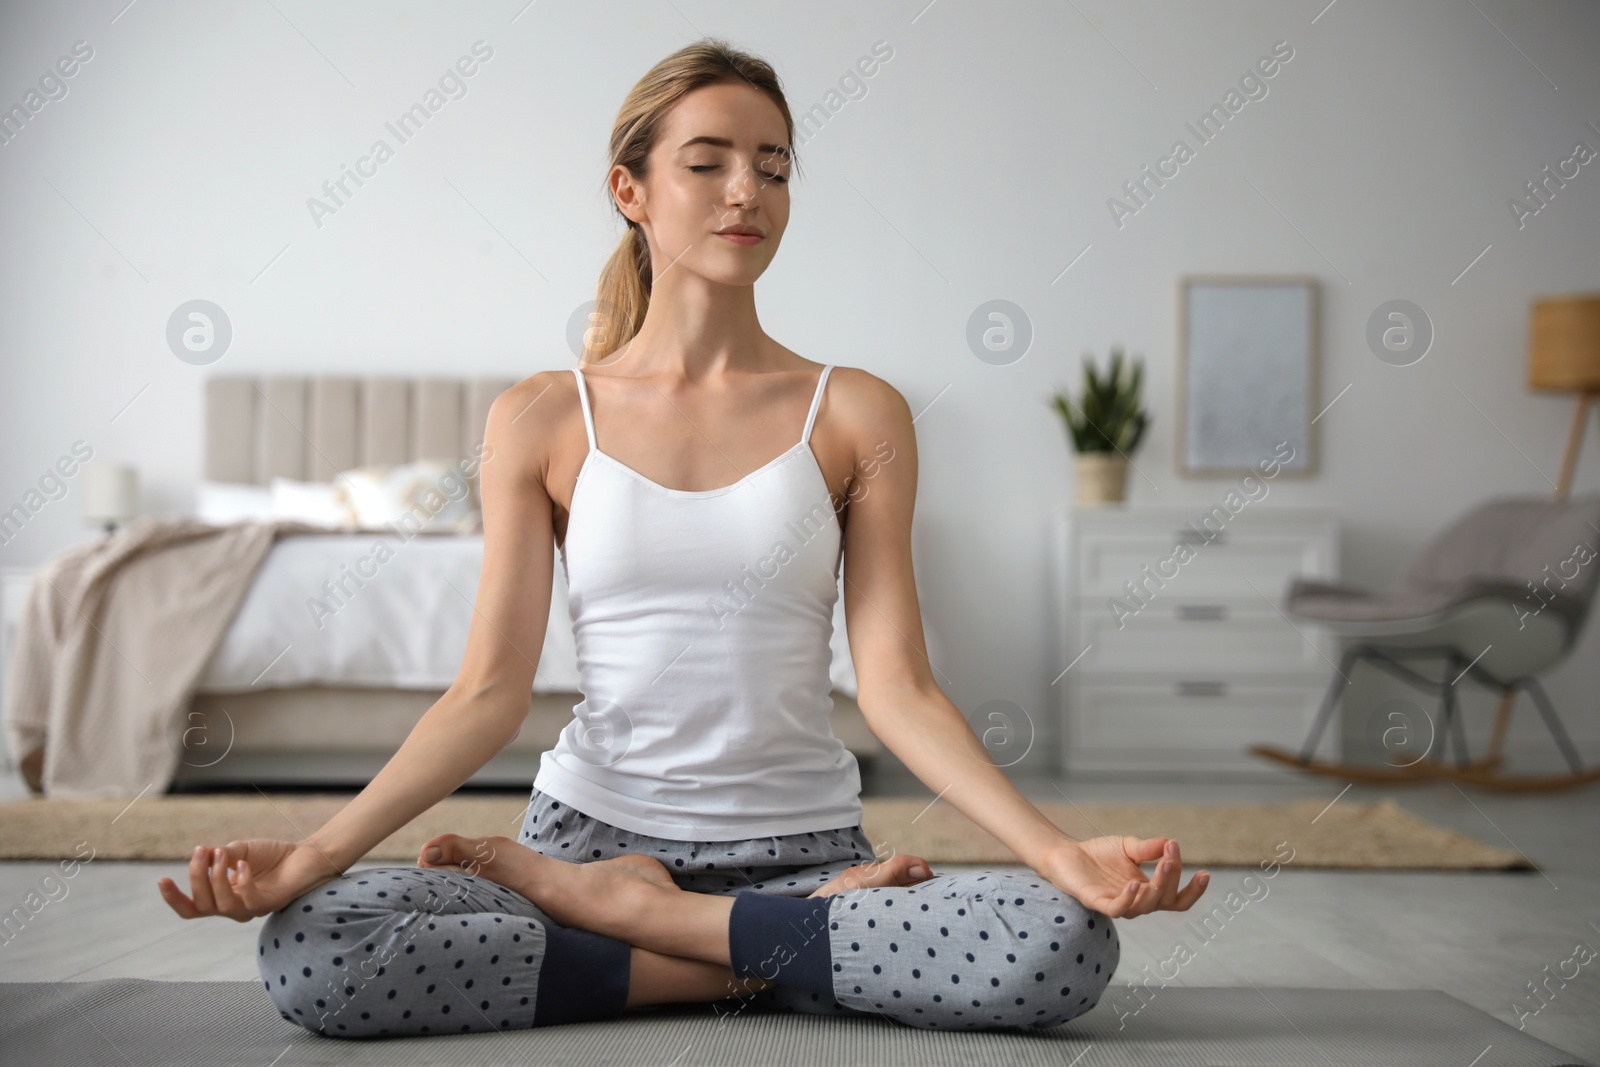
{"points": [[1106, 426]]}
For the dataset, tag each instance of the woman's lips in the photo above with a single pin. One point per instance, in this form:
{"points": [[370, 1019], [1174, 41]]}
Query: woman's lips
{"points": [[740, 238]]}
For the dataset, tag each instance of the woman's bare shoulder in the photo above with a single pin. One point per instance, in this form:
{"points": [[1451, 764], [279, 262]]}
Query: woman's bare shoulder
{"points": [[850, 386], [863, 398], [543, 398], [534, 415]]}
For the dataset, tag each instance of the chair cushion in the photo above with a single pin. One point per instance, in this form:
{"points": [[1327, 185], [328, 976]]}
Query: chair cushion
{"points": [[1326, 602], [1535, 554]]}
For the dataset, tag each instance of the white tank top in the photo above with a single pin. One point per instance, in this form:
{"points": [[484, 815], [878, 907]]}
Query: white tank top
{"points": [[702, 622]]}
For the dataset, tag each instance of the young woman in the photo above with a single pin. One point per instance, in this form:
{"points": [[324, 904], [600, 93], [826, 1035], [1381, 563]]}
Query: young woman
{"points": [[694, 835]]}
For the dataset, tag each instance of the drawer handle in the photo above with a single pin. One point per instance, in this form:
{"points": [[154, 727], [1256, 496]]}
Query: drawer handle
{"points": [[1202, 612], [1191, 536], [1202, 689]]}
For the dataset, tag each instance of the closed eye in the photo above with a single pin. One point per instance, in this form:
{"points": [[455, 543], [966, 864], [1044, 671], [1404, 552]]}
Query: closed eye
{"points": [[712, 166]]}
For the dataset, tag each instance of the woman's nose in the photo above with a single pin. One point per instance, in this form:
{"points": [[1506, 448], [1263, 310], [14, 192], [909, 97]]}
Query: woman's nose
{"points": [[743, 187]]}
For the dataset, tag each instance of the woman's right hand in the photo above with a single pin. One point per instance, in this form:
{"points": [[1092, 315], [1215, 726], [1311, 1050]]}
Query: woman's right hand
{"points": [[244, 880]]}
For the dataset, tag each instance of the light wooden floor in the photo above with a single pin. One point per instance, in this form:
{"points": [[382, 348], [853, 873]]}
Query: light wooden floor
{"points": [[1481, 937]]}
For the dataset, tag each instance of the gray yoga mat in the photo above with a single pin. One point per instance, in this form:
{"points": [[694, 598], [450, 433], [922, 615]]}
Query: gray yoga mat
{"points": [[136, 1022]]}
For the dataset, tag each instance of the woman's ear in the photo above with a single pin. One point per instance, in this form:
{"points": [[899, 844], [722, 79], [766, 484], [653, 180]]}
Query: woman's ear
{"points": [[628, 193]]}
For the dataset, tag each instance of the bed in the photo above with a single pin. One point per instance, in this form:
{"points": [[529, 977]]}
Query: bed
{"points": [[334, 655]]}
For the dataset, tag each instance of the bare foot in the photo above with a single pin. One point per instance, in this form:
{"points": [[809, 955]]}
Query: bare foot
{"points": [[896, 870], [600, 896]]}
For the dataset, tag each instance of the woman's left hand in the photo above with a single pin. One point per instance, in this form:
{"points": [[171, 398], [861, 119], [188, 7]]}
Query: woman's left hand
{"points": [[1103, 874]]}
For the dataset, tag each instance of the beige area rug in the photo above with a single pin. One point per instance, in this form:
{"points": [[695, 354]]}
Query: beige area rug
{"points": [[1308, 833]]}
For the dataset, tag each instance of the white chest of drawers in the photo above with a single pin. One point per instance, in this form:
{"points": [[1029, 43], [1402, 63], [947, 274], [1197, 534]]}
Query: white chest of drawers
{"points": [[1180, 656]]}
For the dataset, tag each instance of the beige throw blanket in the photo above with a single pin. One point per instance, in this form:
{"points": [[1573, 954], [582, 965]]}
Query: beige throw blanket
{"points": [[113, 638]]}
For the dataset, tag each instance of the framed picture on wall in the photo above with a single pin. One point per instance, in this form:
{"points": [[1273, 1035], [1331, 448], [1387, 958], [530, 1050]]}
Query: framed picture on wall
{"points": [[1247, 374]]}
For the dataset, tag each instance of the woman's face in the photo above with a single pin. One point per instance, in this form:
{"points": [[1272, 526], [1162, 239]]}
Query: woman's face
{"points": [[721, 162]]}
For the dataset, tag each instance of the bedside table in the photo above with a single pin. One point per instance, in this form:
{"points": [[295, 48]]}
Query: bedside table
{"points": [[14, 585], [1180, 655]]}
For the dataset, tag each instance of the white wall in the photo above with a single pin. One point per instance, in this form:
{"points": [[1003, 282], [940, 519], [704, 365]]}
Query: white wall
{"points": [[976, 165]]}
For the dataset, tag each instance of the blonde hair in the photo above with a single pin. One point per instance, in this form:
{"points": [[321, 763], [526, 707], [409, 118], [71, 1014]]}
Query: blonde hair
{"points": [[623, 294]]}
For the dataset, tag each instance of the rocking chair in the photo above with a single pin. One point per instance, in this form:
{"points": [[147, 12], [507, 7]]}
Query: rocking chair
{"points": [[1500, 596]]}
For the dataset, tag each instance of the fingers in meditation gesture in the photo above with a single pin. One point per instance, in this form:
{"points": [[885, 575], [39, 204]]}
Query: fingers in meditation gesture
{"points": [[1103, 873], [243, 880]]}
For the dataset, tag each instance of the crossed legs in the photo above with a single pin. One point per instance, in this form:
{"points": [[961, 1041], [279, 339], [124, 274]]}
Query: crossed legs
{"points": [[681, 940], [498, 936], [978, 950]]}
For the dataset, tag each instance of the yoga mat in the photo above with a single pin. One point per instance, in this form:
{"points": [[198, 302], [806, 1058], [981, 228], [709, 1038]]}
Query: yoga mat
{"points": [[135, 1022]]}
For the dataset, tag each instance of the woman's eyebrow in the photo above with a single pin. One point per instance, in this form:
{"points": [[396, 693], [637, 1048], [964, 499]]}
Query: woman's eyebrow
{"points": [[723, 142]]}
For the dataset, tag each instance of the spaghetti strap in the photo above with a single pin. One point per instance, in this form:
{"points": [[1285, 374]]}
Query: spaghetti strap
{"points": [[816, 401], [588, 416]]}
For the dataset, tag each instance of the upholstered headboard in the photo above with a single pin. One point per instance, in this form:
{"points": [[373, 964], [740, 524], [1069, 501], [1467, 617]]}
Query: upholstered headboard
{"points": [[309, 428]]}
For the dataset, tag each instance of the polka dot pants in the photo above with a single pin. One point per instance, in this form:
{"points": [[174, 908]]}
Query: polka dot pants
{"points": [[408, 950]]}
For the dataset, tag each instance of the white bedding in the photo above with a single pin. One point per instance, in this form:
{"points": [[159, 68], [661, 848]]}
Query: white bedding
{"points": [[332, 609]]}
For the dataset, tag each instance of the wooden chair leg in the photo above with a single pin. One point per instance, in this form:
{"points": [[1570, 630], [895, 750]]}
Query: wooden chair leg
{"points": [[1484, 772], [1508, 697]]}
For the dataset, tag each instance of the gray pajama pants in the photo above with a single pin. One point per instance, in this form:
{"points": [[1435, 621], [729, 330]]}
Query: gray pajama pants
{"points": [[411, 950]]}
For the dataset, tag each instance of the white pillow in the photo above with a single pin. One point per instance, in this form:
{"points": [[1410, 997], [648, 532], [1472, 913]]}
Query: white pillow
{"points": [[427, 496], [226, 502], [316, 503]]}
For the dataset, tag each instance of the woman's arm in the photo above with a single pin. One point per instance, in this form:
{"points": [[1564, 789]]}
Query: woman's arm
{"points": [[476, 717], [902, 702]]}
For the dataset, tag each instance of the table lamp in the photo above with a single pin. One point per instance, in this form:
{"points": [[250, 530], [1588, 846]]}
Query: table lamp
{"points": [[1564, 354], [110, 494]]}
